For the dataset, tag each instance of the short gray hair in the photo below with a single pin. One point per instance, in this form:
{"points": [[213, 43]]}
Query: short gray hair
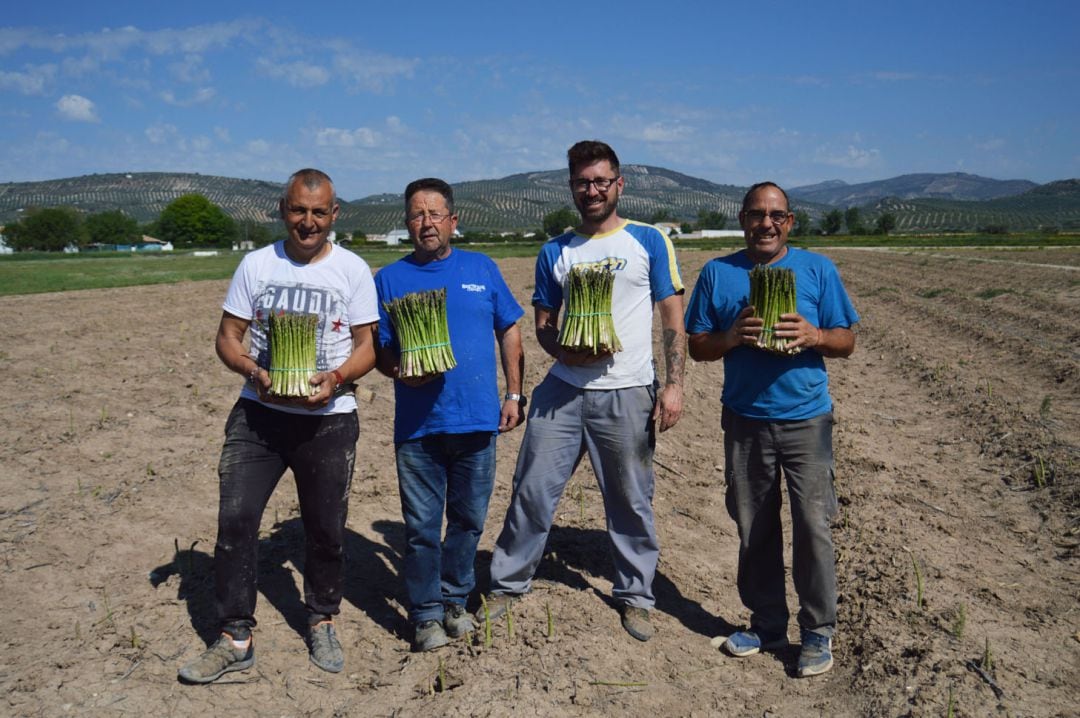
{"points": [[312, 179]]}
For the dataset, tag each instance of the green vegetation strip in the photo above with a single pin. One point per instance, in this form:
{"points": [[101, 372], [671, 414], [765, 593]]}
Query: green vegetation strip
{"points": [[38, 272]]}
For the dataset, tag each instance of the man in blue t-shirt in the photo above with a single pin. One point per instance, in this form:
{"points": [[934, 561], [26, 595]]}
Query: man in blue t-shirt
{"points": [[777, 417], [445, 424]]}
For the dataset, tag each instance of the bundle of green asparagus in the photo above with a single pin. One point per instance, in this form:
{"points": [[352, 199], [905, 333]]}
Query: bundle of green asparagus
{"points": [[419, 319], [587, 325], [772, 293], [292, 353]]}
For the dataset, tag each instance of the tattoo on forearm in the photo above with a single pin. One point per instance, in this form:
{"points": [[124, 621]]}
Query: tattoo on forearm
{"points": [[674, 356]]}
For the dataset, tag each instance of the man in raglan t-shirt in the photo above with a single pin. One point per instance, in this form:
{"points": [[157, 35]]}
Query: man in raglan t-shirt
{"points": [[315, 436], [604, 404]]}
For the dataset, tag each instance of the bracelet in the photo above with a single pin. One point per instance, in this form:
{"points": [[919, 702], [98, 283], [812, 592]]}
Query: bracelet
{"points": [[818, 337], [253, 375], [337, 375]]}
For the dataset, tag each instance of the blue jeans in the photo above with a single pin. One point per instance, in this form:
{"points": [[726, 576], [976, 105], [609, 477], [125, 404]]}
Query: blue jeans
{"points": [[437, 471], [757, 453], [260, 444]]}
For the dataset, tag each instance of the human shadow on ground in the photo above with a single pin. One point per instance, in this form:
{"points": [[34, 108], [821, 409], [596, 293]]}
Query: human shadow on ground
{"points": [[195, 588], [573, 553], [371, 578]]}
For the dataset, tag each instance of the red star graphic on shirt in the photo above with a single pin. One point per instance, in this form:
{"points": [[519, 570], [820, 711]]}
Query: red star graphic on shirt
{"points": [[337, 325]]}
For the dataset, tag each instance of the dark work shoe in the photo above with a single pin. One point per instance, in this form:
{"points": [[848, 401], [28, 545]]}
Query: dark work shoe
{"points": [[217, 660], [324, 649], [497, 604], [457, 622], [636, 622], [816, 655], [748, 643], [429, 636]]}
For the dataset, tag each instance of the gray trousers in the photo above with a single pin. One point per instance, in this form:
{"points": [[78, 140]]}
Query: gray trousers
{"points": [[615, 426], [755, 453]]}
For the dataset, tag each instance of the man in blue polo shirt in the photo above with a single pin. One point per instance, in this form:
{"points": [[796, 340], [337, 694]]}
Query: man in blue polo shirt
{"points": [[445, 425], [777, 419]]}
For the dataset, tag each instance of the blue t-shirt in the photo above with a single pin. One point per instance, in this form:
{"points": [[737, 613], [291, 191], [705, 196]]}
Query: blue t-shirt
{"points": [[478, 303], [759, 384]]}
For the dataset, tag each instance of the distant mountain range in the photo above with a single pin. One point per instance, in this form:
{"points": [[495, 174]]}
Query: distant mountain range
{"points": [[951, 186], [921, 202]]}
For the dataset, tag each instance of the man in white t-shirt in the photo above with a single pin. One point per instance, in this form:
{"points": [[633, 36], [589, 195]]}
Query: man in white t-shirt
{"points": [[314, 436], [607, 404]]}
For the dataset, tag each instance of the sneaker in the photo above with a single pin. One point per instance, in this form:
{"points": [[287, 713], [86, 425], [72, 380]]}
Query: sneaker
{"points": [[457, 621], [636, 622], [324, 649], [429, 636], [747, 643], [217, 660], [816, 655], [497, 605]]}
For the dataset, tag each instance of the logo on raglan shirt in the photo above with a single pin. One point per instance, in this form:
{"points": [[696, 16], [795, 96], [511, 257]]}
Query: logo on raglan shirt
{"points": [[615, 264]]}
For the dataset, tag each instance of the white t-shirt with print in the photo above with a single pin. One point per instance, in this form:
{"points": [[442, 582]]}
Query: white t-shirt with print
{"points": [[338, 289]]}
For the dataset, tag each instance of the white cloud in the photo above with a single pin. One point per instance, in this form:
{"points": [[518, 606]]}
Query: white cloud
{"points": [[222, 133], [77, 108], [190, 70], [297, 74], [258, 147], [851, 158], [30, 82], [160, 133], [372, 72], [202, 143], [991, 145], [333, 137], [640, 130], [888, 76], [203, 94]]}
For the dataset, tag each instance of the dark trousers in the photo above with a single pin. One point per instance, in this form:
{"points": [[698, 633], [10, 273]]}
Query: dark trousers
{"points": [[260, 444], [757, 455]]}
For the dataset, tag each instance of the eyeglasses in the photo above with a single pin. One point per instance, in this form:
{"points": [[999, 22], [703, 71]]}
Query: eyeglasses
{"points": [[757, 216], [602, 184], [433, 217]]}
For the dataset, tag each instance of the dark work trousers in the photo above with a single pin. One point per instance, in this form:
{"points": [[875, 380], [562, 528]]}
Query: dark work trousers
{"points": [[757, 454], [260, 444]]}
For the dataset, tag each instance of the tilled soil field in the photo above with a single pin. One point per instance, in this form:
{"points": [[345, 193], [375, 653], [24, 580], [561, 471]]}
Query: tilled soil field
{"points": [[957, 440]]}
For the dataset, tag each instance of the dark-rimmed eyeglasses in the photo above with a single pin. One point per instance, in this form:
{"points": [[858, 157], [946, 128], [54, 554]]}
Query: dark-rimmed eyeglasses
{"points": [[602, 184], [433, 217], [757, 216]]}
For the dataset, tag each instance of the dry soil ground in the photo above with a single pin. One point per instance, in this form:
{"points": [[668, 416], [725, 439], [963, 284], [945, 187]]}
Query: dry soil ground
{"points": [[957, 466]]}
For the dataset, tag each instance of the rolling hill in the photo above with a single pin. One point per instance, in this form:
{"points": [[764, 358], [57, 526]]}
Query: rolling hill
{"points": [[950, 186], [922, 203]]}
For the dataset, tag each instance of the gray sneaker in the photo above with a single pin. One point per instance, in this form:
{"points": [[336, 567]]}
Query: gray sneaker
{"points": [[324, 649], [497, 604], [429, 636], [457, 622], [636, 622], [217, 660]]}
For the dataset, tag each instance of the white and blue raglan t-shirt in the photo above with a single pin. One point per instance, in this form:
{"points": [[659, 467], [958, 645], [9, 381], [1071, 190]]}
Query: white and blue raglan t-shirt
{"points": [[643, 260], [338, 289]]}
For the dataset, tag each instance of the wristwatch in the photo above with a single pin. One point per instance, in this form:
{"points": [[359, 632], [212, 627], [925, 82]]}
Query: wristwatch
{"points": [[519, 398]]}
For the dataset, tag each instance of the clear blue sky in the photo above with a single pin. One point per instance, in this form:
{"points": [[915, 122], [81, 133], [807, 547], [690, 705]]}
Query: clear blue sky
{"points": [[378, 94]]}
